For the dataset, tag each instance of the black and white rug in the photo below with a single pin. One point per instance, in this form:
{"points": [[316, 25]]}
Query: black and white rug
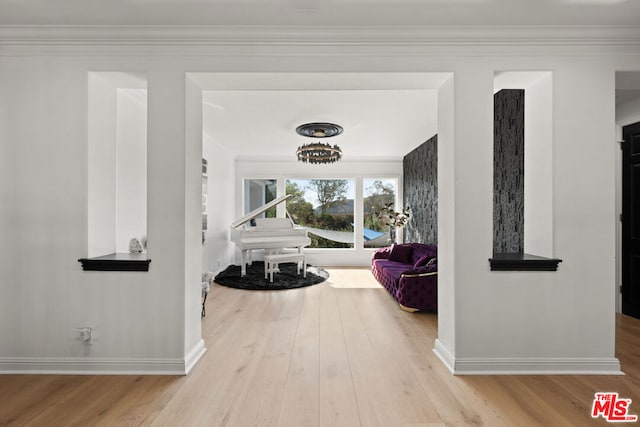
{"points": [[254, 279]]}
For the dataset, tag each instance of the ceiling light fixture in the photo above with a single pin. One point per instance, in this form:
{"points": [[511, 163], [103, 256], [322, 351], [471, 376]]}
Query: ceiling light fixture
{"points": [[319, 152]]}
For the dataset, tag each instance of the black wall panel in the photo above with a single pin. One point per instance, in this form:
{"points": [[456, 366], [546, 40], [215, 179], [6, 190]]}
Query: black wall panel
{"points": [[508, 171], [420, 170]]}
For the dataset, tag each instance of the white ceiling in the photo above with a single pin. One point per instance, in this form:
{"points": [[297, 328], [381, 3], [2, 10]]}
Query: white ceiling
{"points": [[384, 115], [321, 12], [378, 124]]}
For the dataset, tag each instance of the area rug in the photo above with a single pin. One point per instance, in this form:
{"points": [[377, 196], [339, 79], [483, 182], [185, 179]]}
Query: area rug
{"points": [[254, 279]]}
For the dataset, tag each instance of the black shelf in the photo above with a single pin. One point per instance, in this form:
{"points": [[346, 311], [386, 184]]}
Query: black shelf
{"points": [[116, 262], [523, 262]]}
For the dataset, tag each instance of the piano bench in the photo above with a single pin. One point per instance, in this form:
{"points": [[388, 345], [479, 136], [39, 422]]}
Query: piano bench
{"points": [[271, 263]]}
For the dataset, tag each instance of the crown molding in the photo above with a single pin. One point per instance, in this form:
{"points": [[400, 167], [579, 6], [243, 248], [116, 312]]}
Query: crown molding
{"points": [[167, 35]]}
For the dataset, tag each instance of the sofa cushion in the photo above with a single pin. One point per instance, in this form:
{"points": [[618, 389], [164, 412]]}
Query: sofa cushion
{"points": [[423, 260], [401, 253], [382, 253], [383, 264], [394, 271], [422, 249]]}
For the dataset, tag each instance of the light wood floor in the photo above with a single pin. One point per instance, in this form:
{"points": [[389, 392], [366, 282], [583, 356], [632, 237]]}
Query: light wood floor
{"points": [[337, 354]]}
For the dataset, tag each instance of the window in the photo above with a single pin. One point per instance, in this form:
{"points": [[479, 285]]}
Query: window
{"points": [[326, 208], [258, 192], [378, 194]]}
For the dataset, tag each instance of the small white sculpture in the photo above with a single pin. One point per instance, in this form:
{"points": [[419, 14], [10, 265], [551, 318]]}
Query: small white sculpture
{"points": [[135, 247]]}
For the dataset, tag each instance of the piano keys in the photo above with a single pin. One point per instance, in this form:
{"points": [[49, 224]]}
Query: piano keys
{"points": [[267, 233]]}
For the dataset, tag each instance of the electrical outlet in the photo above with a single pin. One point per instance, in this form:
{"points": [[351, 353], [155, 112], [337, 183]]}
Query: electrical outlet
{"points": [[86, 334]]}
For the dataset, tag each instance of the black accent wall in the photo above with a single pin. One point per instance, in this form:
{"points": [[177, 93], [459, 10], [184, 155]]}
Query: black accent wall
{"points": [[508, 171], [420, 170]]}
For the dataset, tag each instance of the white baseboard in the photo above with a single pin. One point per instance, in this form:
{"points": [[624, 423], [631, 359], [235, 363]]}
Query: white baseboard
{"points": [[194, 356], [538, 366], [445, 355], [527, 366], [101, 366]]}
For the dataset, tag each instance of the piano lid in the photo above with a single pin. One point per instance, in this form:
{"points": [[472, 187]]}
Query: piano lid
{"points": [[254, 213]]}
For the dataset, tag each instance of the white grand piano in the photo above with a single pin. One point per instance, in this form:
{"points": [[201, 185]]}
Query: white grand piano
{"points": [[267, 233]]}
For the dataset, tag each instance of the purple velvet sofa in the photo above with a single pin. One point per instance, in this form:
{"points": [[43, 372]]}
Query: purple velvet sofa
{"points": [[409, 271]]}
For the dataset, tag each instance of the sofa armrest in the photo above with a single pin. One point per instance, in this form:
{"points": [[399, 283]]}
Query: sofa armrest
{"points": [[424, 271], [382, 253]]}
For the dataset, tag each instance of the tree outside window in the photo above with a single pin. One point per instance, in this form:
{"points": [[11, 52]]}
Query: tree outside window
{"points": [[378, 194], [325, 207]]}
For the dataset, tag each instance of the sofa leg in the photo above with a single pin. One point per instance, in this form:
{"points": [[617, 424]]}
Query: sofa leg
{"points": [[407, 309]]}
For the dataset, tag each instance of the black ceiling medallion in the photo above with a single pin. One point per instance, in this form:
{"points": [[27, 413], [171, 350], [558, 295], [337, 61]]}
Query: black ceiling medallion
{"points": [[319, 130], [319, 152]]}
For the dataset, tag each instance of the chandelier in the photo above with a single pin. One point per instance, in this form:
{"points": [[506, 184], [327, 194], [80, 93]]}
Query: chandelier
{"points": [[319, 152]]}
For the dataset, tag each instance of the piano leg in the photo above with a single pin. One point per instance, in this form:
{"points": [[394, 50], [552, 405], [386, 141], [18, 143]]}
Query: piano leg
{"points": [[243, 267]]}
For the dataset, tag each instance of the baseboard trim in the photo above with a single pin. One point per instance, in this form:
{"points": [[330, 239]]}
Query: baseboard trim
{"points": [[445, 355], [537, 366], [194, 356], [526, 366], [101, 366]]}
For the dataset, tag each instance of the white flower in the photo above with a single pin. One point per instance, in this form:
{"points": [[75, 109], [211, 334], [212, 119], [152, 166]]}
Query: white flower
{"points": [[391, 218]]}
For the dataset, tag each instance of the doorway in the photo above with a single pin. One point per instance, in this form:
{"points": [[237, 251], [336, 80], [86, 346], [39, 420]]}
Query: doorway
{"points": [[630, 220]]}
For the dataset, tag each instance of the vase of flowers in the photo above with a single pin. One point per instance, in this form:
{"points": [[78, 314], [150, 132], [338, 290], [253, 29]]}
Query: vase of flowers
{"points": [[393, 219]]}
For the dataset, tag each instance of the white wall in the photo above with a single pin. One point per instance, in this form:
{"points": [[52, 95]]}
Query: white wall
{"points": [[513, 321], [8, 216], [101, 167], [445, 346], [191, 104], [138, 317], [538, 167], [131, 167], [218, 251]]}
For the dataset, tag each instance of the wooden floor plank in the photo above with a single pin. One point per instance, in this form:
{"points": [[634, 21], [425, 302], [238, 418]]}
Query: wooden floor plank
{"points": [[263, 399], [369, 377], [211, 398], [392, 348], [338, 406], [301, 401], [18, 407], [143, 403], [454, 401]]}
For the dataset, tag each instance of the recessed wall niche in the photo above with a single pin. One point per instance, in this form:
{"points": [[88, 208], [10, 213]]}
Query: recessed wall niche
{"points": [[117, 162], [523, 170]]}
